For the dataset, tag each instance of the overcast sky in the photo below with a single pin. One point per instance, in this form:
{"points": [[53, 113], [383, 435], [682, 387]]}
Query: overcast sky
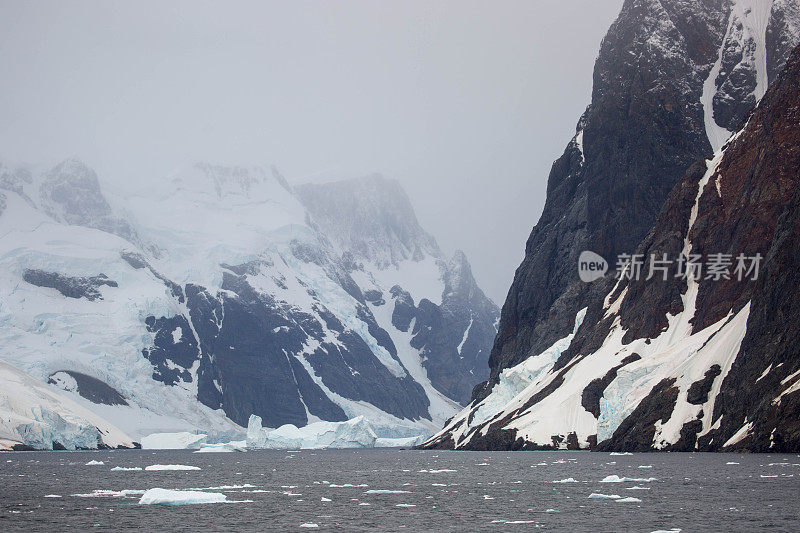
{"points": [[466, 103]]}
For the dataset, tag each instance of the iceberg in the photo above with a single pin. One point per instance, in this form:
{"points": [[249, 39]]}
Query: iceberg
{"points": [[180, 497], [354, 433], [174, 441], [404, 442], [223, 447]]}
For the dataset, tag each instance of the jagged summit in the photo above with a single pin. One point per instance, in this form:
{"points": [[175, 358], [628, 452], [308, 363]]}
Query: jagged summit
{"points": [[370, 216]]}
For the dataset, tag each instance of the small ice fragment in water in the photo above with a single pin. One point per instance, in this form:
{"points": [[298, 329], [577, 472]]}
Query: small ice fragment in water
{"points": [[616, 479], [629, 500], [309, 525], [405, 505], [125, 469], [94, 463], [52, 495], [152, 468], [568, 480], [386, 491], [731, 463], [325, 499], [598, 496]]}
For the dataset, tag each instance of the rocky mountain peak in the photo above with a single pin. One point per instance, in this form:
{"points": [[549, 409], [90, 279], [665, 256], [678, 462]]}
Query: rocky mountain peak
{"points": [[372, 217]]}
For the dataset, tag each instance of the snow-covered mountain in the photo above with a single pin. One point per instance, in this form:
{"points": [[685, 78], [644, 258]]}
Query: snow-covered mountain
{"points": [[218, 295], [681, 364]]}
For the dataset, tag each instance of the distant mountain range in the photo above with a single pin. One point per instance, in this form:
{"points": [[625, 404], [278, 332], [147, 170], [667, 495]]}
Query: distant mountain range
{"points": [[221, 294]]}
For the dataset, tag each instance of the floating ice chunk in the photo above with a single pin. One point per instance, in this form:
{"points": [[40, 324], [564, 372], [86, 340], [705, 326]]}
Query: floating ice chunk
{"points": [[323, 499], [519, 522], [173, 441], [674, 530], [620, 453], [731, 463], [629, 500], [645, 466], [405, 505], [101, 493], [568, 480], [637, 487], [94, 463], [617, 479], [180, 497], [226, 487], [309, 525], [126, 469], [223, 447], [347, 485], [437, 471], [552, 511], [598, 496], [52, 495], [386, 491], [153, 468]]}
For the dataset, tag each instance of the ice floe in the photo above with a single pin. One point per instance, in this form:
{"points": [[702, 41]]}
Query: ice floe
{"points": [[599, 496], [154, 468], [126, 469], [568, 480], [616, 479], [629, 500], [180, 497], [103, 493], [94, 463], [386, 491]]}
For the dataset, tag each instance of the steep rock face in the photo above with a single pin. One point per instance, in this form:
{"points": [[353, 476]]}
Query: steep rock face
{"points": [[70, 192], [637, 318], [605, 191], [450, 321]]}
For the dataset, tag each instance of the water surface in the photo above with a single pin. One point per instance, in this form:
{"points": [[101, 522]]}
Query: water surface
{"points": [[404, 490]]}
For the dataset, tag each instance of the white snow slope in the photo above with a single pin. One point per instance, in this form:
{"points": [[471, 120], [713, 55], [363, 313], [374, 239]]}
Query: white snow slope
{"points": [[675, 353]]}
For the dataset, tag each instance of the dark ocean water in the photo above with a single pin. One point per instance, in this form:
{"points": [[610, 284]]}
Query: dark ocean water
{"points": [[446, 491]]}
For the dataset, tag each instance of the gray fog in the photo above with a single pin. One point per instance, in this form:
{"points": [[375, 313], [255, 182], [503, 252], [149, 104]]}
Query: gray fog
{"points": [[465, 103]]}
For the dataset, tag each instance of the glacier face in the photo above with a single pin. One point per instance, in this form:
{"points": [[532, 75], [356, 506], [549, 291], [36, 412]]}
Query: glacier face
{"points": [[218, 295]]}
